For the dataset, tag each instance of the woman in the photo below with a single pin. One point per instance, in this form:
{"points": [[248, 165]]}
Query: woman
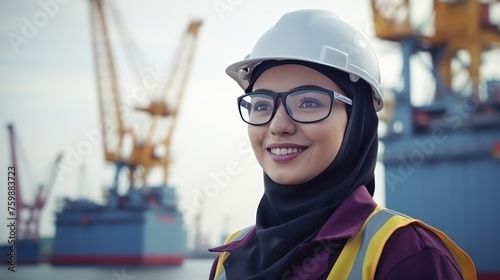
{"points": [[312, 90]]}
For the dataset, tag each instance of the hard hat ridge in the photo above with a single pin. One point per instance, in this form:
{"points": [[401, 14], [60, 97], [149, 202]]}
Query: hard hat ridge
{"points": [[317, 36]]}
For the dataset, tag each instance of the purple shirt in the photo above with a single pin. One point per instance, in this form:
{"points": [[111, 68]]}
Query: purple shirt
{"points": [[411, 252]]}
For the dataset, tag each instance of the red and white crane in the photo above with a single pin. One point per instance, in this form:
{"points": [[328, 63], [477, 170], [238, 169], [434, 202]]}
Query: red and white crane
{"points": [[28, 214]]}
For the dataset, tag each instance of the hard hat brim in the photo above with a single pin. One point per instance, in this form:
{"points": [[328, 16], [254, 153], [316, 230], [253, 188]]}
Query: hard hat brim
{"points": [[240, 71]]}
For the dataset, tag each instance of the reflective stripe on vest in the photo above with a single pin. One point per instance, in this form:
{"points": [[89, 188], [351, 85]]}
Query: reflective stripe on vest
{"points": [[359, 258], [220, 274]]}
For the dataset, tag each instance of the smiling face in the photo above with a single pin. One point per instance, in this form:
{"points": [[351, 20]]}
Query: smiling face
{"points": [[290, 152]]}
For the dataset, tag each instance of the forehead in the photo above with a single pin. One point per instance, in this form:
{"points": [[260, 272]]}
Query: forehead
{"points": [[288, 76]]}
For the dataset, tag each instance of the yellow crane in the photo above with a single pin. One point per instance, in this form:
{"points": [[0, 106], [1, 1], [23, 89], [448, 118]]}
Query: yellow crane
{"points": [[142, 156], [458, 25]]}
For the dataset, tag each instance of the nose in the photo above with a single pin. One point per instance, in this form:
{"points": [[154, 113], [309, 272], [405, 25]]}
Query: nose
{"points": [[282, 123]]}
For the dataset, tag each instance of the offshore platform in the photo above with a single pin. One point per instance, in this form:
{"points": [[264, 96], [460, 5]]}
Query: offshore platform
{"points": [[442, 159]]}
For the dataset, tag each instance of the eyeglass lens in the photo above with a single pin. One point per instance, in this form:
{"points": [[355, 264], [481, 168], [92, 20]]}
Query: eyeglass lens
{"points": [[302, 106]]}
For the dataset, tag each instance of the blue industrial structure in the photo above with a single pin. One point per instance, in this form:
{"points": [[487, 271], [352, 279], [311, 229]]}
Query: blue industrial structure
{"points": [[442, 160], [142, 227]]}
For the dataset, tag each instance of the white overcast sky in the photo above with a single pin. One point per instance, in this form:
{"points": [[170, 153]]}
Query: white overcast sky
{"points": [[47, 90]]}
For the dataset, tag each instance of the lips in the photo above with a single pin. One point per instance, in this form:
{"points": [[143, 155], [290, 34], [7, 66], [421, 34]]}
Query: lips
{"points": [[285, 151]]}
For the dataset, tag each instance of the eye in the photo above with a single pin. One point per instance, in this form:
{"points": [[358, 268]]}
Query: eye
{"points": [[307, 102], [262, 106]]}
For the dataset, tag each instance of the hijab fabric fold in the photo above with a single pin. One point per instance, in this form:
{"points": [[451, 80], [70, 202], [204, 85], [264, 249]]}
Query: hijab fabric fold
{"points": [[288, 216]]}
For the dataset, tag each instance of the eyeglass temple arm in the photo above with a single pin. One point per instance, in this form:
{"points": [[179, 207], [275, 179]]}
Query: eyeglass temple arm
{"points": [[342, 98], [246, 104]]}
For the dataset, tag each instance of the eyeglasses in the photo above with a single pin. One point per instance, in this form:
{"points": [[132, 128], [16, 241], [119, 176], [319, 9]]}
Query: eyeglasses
{"points": [[305, 104]]}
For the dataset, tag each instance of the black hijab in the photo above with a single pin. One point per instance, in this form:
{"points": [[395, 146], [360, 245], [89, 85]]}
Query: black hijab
{"points": [[289, 216]]}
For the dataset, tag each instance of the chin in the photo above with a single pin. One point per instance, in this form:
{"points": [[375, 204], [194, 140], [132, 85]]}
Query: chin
{"points": [[286, 180]]}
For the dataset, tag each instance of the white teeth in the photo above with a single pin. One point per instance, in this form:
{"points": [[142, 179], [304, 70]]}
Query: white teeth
{"points": [[285, 151]]}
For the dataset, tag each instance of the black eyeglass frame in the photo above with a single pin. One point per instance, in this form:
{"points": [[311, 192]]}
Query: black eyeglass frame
{"points": [[283, 95]]}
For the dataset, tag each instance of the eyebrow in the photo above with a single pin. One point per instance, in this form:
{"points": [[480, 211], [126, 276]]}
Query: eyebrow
{"points": [[295, 88]]}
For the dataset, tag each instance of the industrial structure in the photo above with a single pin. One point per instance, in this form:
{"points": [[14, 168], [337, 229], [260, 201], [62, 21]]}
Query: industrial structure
{"points": [[26, 213], [143, 226], [442, 159]]}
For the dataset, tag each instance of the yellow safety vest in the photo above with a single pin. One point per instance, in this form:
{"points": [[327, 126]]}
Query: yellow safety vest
{"points": [[360, 255]]}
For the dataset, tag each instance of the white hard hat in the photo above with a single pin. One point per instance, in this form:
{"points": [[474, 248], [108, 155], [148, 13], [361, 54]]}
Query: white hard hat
{"points": [[316, 36]]}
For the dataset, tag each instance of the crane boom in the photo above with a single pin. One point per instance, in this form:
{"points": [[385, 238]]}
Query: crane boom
{"points": [[32, 224], [172, 95], [45, 190], [192, 32]]}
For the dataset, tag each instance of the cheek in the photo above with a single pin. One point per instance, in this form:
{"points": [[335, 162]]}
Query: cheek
{"points": [[256, 137], [328, 142], [335, 143]]}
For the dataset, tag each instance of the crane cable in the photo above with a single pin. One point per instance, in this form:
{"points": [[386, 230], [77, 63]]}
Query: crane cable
{"points": [[134, 55]]}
